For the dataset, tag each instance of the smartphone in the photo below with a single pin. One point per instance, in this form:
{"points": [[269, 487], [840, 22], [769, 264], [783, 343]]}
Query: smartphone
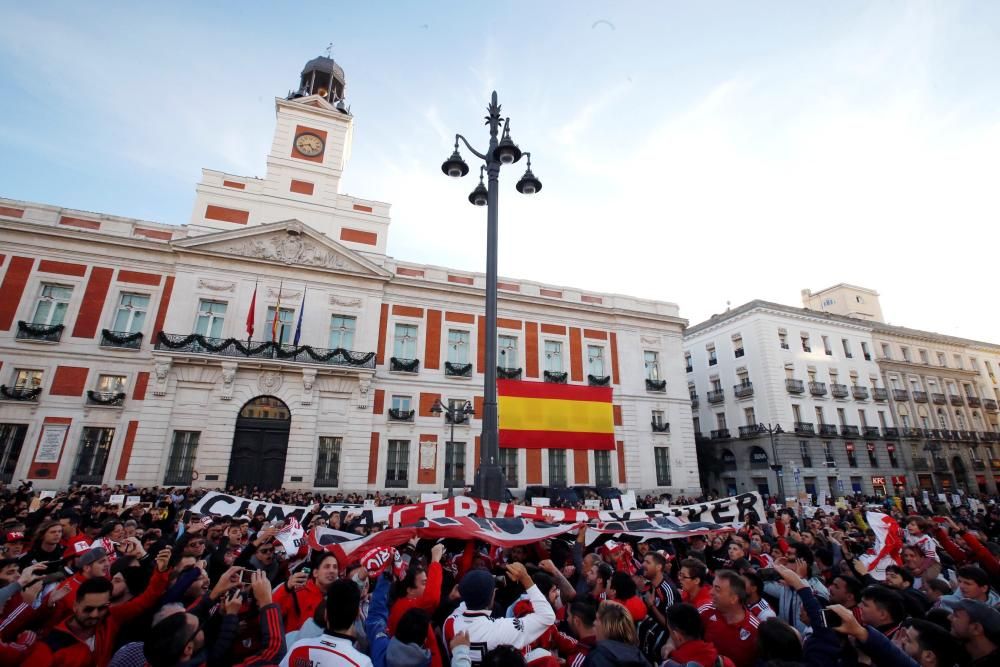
{"points": [[831, 619], [246, 576], [54, 566], [306, 570]]}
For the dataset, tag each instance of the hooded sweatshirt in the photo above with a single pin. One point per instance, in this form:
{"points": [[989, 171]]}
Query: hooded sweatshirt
{"points": [[697, 651], [610, 653], [406, 655]]}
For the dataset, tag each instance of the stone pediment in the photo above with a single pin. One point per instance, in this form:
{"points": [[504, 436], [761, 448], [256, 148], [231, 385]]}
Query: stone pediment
{"points": [[290, 243]]}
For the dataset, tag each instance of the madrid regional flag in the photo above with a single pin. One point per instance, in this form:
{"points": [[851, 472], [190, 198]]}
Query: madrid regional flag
{"points": [[537, 415]]}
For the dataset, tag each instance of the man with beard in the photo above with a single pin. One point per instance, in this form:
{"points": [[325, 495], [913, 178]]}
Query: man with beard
{"points": [[977, 626], [94, 564], [846, 591], [88, 636], [922, 643], [659, 598]]}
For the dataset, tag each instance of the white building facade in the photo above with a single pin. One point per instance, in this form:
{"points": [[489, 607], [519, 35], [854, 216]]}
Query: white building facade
{"points": [[126, 351]]}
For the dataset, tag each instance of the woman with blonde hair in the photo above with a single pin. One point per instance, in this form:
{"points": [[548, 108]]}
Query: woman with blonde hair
{"points": [[617, 639]]}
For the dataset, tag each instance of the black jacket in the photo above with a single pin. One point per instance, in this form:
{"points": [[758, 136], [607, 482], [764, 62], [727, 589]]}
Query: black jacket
{"points": [[610, 653]]}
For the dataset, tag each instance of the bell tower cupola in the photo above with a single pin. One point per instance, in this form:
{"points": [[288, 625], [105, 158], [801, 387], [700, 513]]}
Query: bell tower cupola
{"points": [[324, 78]]}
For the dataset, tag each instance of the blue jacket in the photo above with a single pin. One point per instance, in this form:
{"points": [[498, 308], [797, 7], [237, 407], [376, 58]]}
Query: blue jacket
{"points": [[822, 647], [884, 653], [380, 645]]}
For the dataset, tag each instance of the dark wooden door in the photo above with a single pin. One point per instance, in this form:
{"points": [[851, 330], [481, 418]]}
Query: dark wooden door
{"points": [[258, 456]]}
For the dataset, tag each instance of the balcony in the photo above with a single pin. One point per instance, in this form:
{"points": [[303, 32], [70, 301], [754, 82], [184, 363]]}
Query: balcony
{"points": [[716, 396], [817, 388], [689, 369], [967, 436], [860, 393], [941, 465], [396, 415], [739, 353], [122, 340], [827, 430], [919, 396], [973, 401], [794, 386], [454, 370], [849, 431], [721, 434], [39, 332], [870, 431], [978, 464], [596, 380], [911, 433], [659, 386], [956, 400], [938, 398], [743, 389], [891, 432], [694, 400], [713, 361], [900, 395], [920, 463], [749, 431], [509, 373], [838, 390], [556, 377], [660, 427], [990, 405], [880, 394], [232, 347], [110, 399], [867, 356], [784, 346], [399, 365], [989, 436], [804, 428], [16, 393]]}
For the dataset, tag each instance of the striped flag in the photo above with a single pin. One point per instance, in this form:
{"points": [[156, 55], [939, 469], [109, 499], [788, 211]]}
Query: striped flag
{"points": [[542, 415]]}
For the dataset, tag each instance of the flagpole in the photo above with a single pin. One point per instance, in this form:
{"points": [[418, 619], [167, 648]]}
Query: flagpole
{"points": [[302, 308], [251, 316]]}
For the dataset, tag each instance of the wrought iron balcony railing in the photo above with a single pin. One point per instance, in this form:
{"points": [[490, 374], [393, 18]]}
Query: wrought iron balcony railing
{"points": [[849, 431], [956, 400], [880, 394], [19, 393], [794, 386], [721, 434], [739, 353], [556, 377], [891, 432], [938, 398], [660, 427], [817, 388], [860, 393], [900, 395], [509, 373], [121, 339], [838, 390], [749, 431], [694, 400], [870, 431], [688, 369], [804, 428], [397, 415], [716, 395], [108, 398], [911, 433], [404, 365], [973, 401], [232, 347], [919, 396], [457, 370], [41, 332], [599, 380], [656, 385], [827, 430], [743, 389], [990, 404]]}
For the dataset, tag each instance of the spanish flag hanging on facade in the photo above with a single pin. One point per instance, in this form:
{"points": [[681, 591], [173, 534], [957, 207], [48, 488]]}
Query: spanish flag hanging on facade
{"points": [[544, 415]]}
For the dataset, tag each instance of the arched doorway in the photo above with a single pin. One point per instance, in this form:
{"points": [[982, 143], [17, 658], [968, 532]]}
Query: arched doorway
{"points": [[260, 444], [961, 474]]}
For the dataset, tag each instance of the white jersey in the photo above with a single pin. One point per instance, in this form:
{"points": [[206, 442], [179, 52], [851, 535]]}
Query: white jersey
{"points": [[487, 633], [927, 544], [325, 651]]}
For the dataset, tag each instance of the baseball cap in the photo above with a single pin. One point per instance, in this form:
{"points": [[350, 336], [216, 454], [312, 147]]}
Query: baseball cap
{"points": [[76, 548], [92, 555], [982, 613], [14, 536]]}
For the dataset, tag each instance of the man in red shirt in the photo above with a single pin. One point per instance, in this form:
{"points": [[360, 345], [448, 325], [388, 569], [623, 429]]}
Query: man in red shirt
{"points": [[728, 625], [302, 593]]}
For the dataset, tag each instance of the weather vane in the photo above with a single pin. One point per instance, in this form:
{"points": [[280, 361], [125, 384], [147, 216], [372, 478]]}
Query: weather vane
{"points": [[329, 50]]}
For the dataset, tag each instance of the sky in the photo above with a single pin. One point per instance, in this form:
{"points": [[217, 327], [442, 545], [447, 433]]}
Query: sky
{"points": [[702, 153]]}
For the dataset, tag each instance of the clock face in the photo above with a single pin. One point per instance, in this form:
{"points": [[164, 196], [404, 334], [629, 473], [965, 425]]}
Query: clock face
{"points": [[309, 144]]}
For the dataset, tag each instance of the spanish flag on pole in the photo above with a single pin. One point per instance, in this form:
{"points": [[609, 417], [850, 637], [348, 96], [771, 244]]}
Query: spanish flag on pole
{"points": [[543, 415]]}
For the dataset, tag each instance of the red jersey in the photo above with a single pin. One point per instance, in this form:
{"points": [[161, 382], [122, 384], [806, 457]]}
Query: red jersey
{"points": [[700, 599], [737, 641]]}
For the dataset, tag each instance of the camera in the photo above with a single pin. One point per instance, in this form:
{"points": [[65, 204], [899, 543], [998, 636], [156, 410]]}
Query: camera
{"points": [[831, 620], [246, 576]]}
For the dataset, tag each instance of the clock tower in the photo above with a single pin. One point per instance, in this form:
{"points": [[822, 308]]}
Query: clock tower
{"points": [[309, 152]]}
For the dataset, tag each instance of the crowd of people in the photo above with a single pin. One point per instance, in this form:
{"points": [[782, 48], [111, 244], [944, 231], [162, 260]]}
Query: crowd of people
{"points": [[87, 582]]}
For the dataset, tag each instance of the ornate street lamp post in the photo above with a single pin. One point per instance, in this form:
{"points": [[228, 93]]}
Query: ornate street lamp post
{"points": [[454, 414], [776, 465], [502, 151]]}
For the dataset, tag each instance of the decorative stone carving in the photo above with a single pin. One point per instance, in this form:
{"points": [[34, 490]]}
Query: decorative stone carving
{"points": [[364, 384], [283, 293], [308, 380], [290, 249], [161, 370], [216, 286], [269, 382], [344, 301], [228, 377], [651, 340]]}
